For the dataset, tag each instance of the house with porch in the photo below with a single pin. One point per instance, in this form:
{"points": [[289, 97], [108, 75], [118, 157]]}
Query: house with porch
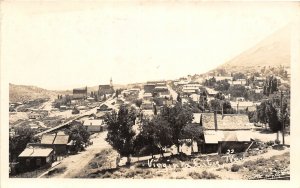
{"points": [[223, 132]]}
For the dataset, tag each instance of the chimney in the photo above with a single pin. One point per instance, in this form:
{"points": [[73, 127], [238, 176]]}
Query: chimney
{"points": [[215, 120]]}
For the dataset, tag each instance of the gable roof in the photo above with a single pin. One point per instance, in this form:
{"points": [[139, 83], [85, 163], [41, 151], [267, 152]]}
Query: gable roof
{"points": [[93, 122], [226, 122], [47, 138], [59, 138], [36, 152]]}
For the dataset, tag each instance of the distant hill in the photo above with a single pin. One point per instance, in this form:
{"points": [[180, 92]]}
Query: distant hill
{"points": [[272, 51], [18, 93]]}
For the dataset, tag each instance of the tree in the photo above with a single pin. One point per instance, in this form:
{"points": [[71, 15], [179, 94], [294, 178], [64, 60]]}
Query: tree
{"points": [[215, 105], [193, 132], [238, 75], [179, 98], [120, 130], [267, 113], [157, 132], [178, 117], [222, 85], [270, 86], [227, 109], [237, 91], [18, 143], [138, 102], [78, 134]]}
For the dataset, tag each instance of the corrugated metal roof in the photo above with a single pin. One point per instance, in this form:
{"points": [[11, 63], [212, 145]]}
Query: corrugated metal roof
{"points": [[36, 152]]}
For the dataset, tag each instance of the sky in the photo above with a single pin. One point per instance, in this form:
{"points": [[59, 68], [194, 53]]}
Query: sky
{"points": [[60, 45]]}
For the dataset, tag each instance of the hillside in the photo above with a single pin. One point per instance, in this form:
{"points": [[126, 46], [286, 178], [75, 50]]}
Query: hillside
{"points": [[272, 51], [18, 93]]}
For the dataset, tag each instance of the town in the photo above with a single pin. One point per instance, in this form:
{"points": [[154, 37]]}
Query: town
{"points": [[113, 132]]}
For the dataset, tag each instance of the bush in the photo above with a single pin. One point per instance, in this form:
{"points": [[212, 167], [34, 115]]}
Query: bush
{"points": [[106, 175], [203, 175], [235, 168], [195, 175], [208, 175], [270, 143], [277, 141]]}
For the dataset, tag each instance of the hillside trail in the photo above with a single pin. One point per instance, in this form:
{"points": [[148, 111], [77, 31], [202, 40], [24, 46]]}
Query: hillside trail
{"points": [[75, 163]]}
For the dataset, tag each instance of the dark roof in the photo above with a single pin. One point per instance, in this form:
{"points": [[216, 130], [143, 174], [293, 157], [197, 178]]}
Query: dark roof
{"points": [[80, 89], [104, 87]]}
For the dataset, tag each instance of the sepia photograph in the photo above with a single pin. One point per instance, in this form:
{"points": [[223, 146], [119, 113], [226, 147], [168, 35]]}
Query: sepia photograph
{"points": [[148, 90]]}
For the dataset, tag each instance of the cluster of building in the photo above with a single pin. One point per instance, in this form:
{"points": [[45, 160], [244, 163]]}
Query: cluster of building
{"points": [[156, 94]]}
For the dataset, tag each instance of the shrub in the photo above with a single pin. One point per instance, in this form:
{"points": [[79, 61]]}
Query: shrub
{"points": [[270, 143], [203, 175], [208, 175], [195, 175], [94, 165], [106, 175], [235, 168], [130, 174], [277, 141]]}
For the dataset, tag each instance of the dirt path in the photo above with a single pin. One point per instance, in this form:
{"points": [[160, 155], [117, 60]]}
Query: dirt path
{"points": [[76, 163]]}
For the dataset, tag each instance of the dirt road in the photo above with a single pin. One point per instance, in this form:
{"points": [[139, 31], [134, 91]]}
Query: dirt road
{"points": [[75, 163]]}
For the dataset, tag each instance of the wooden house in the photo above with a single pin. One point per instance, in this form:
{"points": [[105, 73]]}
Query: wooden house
{"points": [[94, 125], [223, 132], [35, 156]]}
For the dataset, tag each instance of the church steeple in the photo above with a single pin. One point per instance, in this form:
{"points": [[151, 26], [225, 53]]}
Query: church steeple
{"points": [[111, 83]]}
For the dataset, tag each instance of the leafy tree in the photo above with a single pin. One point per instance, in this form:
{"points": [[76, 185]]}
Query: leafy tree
{"points": [[267, 113], [158, 132], [227, 109], [215, 105], [138, 102], [222, 85], [18, 143], [193, 132], [178, 117], [239, 75], [270, 86], [78, 134], [220, 96], [237, 91], [120, 130], [179, 98]]}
